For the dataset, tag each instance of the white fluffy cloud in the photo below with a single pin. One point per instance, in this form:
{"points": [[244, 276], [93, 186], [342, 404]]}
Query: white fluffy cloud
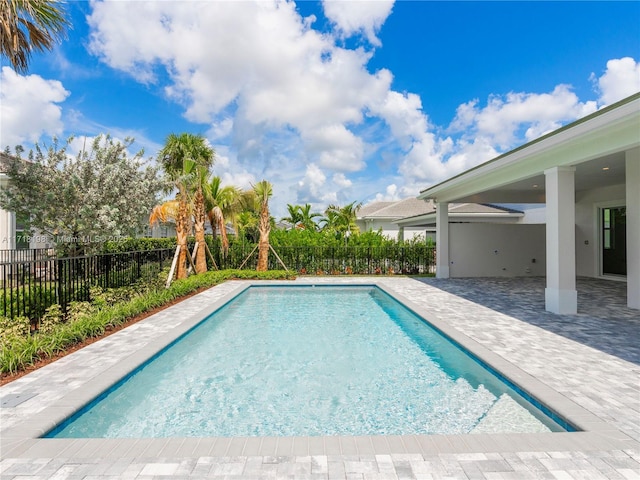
{"points": [[294, 106], [621, 79], [503, 117], [390, 195], [358, 16], [403, 113], [29, 107], [257, 73]]}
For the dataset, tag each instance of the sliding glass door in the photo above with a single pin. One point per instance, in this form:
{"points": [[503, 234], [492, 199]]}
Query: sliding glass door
{"points": [[614, 241]]}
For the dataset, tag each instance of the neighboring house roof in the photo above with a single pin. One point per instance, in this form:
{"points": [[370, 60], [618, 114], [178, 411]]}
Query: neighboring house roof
{"points": [[371, 208], [394, 210], [415, 212], [462, 212]]}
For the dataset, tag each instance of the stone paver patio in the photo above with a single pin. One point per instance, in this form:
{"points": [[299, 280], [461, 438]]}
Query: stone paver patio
{"points": [[585, 366]]}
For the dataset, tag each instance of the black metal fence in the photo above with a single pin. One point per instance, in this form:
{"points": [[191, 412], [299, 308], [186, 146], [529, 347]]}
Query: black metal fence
{"points": [[33, 280], [12, 256], [29, 287], [326, 260]]}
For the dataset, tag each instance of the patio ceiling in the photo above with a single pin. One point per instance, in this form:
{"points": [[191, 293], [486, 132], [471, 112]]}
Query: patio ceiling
{"points": [[594, 145], [601, 172]]}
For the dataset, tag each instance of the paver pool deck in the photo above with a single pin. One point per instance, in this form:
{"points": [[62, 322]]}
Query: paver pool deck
{"points": [[585, 366]]}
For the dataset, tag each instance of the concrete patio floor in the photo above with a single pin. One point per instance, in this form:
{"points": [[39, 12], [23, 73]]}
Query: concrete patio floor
{"points": [[586, 364]]}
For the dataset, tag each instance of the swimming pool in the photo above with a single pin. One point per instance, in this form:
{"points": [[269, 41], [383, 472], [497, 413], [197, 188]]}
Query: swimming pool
{"points": [[307, 360]]}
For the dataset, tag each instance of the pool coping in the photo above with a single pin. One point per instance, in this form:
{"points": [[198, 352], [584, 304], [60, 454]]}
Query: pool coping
{"points": [[23, 440]]}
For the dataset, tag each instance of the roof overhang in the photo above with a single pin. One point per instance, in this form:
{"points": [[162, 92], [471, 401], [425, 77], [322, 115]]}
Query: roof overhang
{"points": [[430, 218], [380, 219], [590, 144]]}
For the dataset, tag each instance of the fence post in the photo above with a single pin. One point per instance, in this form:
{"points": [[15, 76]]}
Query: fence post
{"points": [[107, 270], [59, 284], [138, 261]]}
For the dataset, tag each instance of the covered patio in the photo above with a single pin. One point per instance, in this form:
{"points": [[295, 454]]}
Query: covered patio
{"points": [[603, 321], [587, 176]]}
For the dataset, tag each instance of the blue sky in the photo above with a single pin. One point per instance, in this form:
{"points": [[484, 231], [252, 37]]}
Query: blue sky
{"points": [[330, 101]]}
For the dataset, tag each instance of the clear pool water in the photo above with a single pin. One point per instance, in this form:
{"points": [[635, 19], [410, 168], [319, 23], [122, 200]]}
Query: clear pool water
{"points": [[303, 361]]}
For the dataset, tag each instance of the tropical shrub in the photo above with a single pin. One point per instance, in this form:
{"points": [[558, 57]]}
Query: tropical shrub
{"points": [[130, 244]]}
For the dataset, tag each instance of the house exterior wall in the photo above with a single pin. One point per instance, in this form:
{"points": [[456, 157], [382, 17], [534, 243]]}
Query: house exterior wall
{"points": [[161, 231], [390, 230], [588, 226], [496, 250], [7, 230]]}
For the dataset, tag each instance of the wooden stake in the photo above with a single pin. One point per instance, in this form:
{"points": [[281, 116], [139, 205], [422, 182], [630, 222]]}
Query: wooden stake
{"points": [[193, 255], [281, 262], [248, 256], [173, 266], [211, 256], [191, 259]]}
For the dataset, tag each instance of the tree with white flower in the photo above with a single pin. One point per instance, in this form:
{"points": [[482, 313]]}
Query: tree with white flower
{"points": [[81, 201]]}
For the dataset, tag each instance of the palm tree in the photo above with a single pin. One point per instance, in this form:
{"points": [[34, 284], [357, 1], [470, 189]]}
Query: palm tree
{"points": [[307, 218], [295, 216], [247, 224], [301, 217], [186, 159], [263, 191], [222, 204], [200, 216], [164, 212], [342, 219], [29, 25]]}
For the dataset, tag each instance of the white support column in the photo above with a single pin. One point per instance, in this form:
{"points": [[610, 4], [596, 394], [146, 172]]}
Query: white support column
{"points": [[632, 172], [7, 222], [442, 240], [561, 295]]}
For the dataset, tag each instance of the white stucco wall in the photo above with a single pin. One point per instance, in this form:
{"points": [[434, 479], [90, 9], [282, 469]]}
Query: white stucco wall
{"points": [[496, 250], [587, 226], [7, 230], [389, 230]]}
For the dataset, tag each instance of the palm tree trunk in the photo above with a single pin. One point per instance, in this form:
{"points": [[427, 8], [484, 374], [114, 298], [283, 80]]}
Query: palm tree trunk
{"points": [[264, 228], [200, 218], [182, 231]]}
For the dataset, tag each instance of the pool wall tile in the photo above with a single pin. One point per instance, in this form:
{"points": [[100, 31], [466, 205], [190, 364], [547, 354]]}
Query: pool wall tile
{"points": [[236, 446], [300, 446], [268, 446], [316, 446], [332, 445], [411, 444], [187, 448], [395, 444], [220, 447], [348, 446], [364, 445], [380, 445], [284, 445], [252, 446]]}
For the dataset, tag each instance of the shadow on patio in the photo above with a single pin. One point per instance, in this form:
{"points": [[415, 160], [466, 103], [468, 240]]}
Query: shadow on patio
{"points": [[603, 321]]}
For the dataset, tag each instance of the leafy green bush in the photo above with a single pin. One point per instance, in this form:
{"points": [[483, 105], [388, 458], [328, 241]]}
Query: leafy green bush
{"points": [[138, 244], [30, 300], [14, 327], [52, 317]]}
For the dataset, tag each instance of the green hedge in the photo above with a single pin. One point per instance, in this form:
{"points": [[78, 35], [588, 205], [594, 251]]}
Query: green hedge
{"points": [[138, 244]]}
